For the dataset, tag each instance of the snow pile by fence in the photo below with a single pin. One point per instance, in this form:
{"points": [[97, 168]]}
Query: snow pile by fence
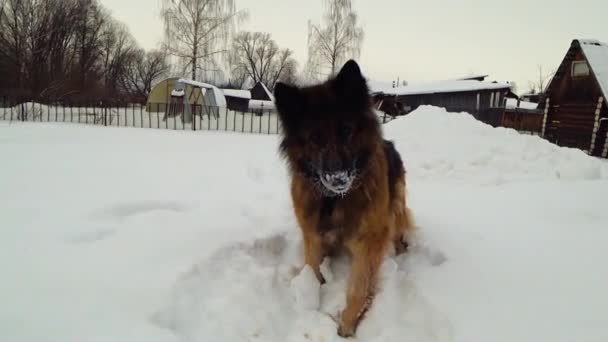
{"points": [[456, 147]]}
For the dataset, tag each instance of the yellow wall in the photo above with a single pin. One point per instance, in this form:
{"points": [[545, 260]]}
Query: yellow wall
{"points": [[160, 95]]}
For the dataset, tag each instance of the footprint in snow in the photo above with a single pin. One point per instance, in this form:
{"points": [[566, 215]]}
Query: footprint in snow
{"points": [[130, 209], [92, 236], [261, 291]]}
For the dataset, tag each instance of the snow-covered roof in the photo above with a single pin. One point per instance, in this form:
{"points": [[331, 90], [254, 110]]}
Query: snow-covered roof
{"points": [[240, 93], [512, 103], [213, 96], [452, 86], [196, 83], [596, 53]]}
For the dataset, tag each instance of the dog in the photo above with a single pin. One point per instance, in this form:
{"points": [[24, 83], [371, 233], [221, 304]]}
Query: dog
{"points": [[348, 185]]}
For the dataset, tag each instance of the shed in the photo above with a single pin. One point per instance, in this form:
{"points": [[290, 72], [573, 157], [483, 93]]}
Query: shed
{"points": [[484, 100], [161, 94], [261, 92], [237, 99], [523, 116], [575, 106]]}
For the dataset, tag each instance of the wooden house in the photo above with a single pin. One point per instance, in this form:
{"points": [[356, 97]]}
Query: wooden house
{"points": [[575, 106], [484, 100]]}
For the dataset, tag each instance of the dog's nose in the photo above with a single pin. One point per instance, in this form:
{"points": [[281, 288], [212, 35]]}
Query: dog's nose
{"points": [[339, 178]]}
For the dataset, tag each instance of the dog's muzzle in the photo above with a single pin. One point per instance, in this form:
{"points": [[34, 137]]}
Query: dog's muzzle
{"points": [[338, 182]]}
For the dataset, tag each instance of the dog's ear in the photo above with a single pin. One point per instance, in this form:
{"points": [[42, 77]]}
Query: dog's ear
{"points": [[351, 87], [289, 102]]}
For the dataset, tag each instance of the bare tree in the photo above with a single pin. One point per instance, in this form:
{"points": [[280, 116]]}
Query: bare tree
{"points": [[257, 56], [539, 85], [335, 41], [51, 49], [117, 49], [143, 70], [197, 32]]}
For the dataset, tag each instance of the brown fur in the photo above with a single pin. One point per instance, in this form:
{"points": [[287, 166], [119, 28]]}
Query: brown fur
{"points": [[367, 220]]}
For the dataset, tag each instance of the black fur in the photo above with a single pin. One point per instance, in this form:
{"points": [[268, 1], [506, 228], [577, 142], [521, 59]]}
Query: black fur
{"points": [[395, 165]]}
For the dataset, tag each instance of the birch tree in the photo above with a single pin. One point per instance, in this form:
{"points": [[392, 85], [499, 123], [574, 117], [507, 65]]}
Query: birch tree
{"points": [[336, 40], [197, 32], [258, 57]]}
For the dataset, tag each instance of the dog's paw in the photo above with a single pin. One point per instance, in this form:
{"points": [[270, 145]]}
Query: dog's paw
{"points": [[320, 277], [346, 331]]}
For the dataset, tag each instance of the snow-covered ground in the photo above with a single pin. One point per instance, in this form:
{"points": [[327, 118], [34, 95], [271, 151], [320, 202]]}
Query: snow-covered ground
{"points": [[120, 234]]}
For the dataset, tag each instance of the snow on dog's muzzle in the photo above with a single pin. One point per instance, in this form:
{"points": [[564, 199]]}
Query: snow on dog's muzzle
{"points": [[338, 182]]}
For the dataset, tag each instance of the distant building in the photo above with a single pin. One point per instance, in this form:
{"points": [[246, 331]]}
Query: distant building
{"points": [[523, 116], [575, 104], [484, 100], [237, 99]]}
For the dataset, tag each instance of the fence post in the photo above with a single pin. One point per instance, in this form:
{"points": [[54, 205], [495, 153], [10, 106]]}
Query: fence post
{"points": [[193, 116], [261, 116]]}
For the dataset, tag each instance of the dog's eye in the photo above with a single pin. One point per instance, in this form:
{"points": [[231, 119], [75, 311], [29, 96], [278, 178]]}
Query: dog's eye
{"points": [[345, 131]]}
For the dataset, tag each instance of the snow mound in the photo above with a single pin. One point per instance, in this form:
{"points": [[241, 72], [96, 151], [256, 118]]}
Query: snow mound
{"points": [[436, 144], [260, 292]]}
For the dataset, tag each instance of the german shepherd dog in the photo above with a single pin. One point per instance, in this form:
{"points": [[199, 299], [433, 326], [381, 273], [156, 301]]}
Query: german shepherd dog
{"points": [[347, 182]]}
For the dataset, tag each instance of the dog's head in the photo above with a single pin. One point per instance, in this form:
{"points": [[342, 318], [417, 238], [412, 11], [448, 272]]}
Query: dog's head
{"points": [[329, 130]]}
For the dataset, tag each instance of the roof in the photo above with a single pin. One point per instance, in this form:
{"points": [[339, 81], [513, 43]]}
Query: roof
{"points": [[475, 77], [596, 53], [240, 93], [512, 103], [270, 95], [452, 86], [196, 83], [213, 95]]}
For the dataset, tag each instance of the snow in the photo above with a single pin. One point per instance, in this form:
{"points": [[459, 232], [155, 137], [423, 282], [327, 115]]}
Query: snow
{"points": [[450, 86], [240, 93], [121, 234], [512, 103], [178, 93], [597, 56]]}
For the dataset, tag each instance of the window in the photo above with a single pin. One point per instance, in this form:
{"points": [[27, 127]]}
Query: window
{"points": [[580, 69]]}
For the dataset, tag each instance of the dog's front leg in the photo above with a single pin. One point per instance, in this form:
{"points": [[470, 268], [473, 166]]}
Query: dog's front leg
{"points": [[313, 252], [368, 253]]}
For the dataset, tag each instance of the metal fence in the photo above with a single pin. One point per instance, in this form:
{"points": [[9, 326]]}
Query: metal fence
{"points": [[158, 116], [151, 115]]}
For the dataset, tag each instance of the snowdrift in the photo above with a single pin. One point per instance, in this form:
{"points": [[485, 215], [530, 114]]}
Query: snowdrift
{"points": [[439, 145], [148, 235]]}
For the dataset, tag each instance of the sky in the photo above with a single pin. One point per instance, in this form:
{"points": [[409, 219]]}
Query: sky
{"points": [[420, 40]]}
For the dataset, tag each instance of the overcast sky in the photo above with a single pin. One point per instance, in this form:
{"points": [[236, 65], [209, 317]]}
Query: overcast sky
{"points": [[421, 40]]}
